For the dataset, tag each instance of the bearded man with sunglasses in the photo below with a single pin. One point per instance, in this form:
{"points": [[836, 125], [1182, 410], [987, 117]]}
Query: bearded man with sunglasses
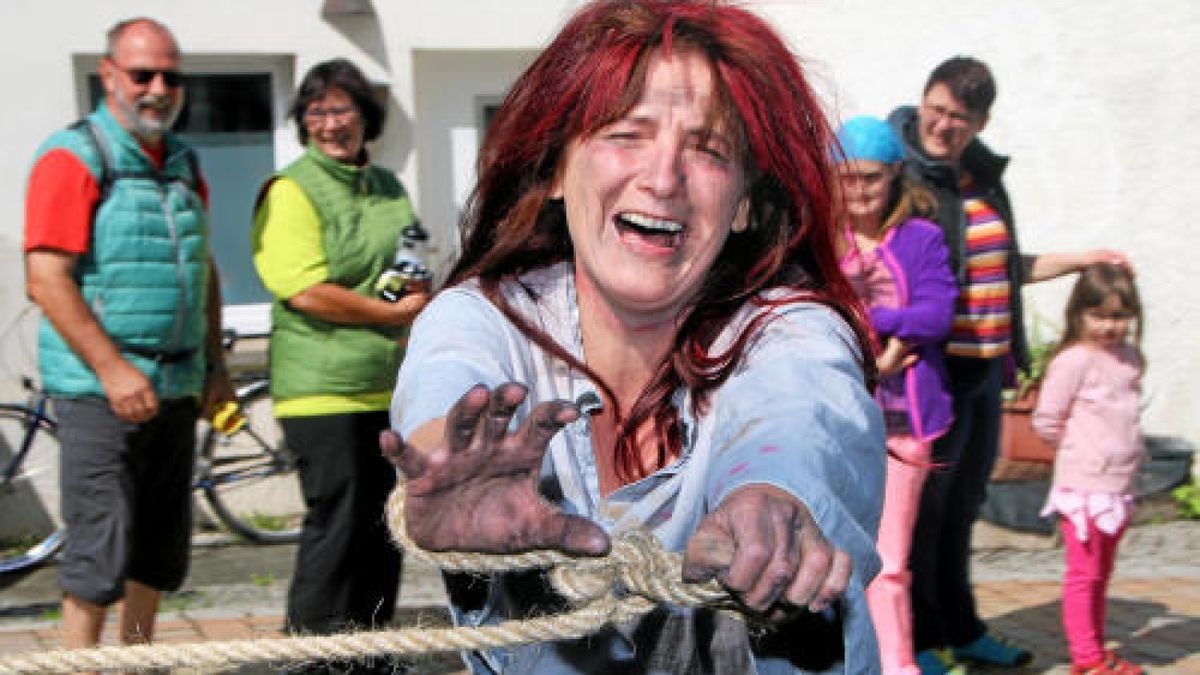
{"points": [[116, 256]]}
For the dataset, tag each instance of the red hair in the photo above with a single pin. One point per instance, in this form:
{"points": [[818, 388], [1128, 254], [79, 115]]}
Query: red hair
{"points": [[590, 76]]}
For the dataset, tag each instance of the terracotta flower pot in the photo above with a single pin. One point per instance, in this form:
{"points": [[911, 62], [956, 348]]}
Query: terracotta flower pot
{"points": [[1018, 441]]}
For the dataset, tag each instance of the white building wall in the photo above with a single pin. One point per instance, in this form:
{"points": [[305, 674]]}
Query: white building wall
{"points": [[1097, 107]]}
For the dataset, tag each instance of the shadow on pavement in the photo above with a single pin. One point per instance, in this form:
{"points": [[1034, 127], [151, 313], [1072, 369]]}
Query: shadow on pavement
{"points": [[1144, 631]]}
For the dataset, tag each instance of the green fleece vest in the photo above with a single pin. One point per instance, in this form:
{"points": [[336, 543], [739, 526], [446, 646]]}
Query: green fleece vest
{"points": [[145, 276], [362, 212]]}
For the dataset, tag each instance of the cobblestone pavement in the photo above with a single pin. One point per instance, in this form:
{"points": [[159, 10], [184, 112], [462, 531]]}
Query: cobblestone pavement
{"points": [[1154, 605]]}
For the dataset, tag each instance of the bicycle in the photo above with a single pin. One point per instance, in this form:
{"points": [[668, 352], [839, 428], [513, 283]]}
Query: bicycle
{"points": [[248, 478], [31, 436]]}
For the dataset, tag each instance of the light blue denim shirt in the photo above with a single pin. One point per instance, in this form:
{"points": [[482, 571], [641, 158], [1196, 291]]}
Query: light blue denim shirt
{"points": [[794, 414]]}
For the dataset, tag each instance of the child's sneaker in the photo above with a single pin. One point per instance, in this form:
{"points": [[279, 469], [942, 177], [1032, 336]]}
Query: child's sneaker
{"points": [[1120, 666], [1111, 665], [992, 651], [939, 662]]}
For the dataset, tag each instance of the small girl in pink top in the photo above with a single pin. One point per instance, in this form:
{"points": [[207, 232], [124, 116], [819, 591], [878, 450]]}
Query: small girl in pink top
{"points": [[1088, 408]]}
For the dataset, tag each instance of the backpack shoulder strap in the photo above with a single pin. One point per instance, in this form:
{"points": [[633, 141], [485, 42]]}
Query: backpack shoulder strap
{"points": [[100, 144], [194, 165]]}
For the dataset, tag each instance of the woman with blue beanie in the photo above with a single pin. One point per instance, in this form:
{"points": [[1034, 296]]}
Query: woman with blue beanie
{"points": [[899, 265]]}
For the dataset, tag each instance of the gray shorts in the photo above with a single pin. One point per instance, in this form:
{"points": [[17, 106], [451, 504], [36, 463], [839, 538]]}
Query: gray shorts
{"points": [[126, 497]]}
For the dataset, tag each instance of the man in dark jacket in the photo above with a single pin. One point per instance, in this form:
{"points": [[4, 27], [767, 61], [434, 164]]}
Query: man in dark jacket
{"points": [[944, 154]]}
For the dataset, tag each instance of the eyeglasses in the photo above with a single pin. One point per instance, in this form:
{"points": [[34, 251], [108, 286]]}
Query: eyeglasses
{"points": [[954, 118], [341, 113], [144, 76]]}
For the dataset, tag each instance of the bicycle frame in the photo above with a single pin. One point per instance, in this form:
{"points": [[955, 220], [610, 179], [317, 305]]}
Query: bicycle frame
{"points": [[37, 409], [211, 475]]}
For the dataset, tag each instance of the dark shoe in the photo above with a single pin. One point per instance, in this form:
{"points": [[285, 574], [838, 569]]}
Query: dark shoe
{"points": [[993, 651], [938, 662]]}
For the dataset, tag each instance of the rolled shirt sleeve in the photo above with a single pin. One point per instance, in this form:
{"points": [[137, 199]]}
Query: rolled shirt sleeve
{"points": [[796, 415]]}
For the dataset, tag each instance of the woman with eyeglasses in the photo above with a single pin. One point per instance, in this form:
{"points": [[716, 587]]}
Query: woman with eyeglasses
{"points": [[325, 228], [647, 329]]}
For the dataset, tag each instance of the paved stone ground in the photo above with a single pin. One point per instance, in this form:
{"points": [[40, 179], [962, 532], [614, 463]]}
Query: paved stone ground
{"points": [[1153, 607], [237, 591]]}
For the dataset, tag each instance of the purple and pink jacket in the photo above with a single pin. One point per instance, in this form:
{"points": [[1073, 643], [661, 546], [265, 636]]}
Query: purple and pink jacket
{"points": [[915, 254]]}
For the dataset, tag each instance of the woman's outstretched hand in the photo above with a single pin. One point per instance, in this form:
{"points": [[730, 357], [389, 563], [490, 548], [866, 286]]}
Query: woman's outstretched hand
{"points": [[763, 545], [477, 490]]}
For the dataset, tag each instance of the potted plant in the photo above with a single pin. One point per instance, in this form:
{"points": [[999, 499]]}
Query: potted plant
{"points": [[1023, 454], [1021, 477]]}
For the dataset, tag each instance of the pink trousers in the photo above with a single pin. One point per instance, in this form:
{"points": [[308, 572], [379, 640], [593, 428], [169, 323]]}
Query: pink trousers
{"points": [[1085, 590], [888, 595]]}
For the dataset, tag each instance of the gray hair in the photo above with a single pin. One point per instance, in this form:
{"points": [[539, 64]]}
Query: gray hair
{"points": [[115, 33]]}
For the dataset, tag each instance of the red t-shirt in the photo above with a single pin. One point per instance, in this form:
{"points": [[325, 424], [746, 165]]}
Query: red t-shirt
{"points": [[62, 196]]}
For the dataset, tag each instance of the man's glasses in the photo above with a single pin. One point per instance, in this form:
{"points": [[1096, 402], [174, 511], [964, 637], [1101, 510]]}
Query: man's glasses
{"points": [[956, 119], [144, 76]]}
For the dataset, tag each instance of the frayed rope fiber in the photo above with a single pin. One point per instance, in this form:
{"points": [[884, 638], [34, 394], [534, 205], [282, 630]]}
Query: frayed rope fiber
{"points": [[636, 576]]}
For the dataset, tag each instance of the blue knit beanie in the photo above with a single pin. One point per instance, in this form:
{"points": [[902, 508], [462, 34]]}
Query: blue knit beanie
{"points": [[868, 138]]}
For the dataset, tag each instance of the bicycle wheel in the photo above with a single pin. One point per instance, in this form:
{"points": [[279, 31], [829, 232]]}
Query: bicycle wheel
{"points": [[31, 530], [249, 478]]}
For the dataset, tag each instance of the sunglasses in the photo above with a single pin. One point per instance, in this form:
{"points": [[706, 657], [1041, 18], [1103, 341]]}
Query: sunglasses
{"points": [[144, 76]]}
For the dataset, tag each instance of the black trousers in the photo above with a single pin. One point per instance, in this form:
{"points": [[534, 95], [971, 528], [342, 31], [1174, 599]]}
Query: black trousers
{"points": [[347, 569], [944, 611]]}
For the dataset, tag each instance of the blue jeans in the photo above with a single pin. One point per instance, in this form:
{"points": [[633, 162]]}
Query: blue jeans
{"points": [[944, 612]]}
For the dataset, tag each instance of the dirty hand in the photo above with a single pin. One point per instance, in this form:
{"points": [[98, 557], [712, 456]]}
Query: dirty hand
{"points": [[763, 545], [477, 490]]}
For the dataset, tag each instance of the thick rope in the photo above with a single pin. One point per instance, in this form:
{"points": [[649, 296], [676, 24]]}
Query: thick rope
{"points": [[631, 581], [636, 564]]}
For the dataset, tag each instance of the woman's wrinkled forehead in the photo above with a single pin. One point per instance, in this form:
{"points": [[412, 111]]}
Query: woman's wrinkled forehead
{"points": [[675, 82], [685, 87]]}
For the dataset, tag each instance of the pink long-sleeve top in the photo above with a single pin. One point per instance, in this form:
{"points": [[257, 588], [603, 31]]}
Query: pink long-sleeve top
{"points": [[1088, 408]]}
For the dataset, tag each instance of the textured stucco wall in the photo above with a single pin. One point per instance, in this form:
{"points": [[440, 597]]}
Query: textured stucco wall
{"points": [[1097, 109]]}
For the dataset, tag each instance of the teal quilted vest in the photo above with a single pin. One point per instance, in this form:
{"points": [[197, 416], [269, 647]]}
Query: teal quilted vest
{"points": [[362, 212], [146, 275]]}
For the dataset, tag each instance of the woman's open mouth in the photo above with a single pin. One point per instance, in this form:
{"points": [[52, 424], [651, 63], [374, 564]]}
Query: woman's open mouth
{"points": [[655, 231]]}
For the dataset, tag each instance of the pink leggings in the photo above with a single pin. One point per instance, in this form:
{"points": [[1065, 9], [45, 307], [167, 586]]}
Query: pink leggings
{"points": [[888, 595], [1085, 590]]}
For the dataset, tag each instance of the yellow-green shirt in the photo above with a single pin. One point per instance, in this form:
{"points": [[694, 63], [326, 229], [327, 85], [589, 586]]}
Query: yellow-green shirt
{"points": [[290, 258]]}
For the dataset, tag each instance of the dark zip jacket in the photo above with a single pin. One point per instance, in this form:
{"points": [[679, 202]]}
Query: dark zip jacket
{"points": [[941, 178]]}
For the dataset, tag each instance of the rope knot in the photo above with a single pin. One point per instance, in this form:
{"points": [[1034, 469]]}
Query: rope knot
{"points": [[637, 566], [637, 573]]}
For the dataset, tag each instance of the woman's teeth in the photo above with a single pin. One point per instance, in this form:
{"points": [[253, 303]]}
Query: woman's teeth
{"points": [[645, 222]]}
